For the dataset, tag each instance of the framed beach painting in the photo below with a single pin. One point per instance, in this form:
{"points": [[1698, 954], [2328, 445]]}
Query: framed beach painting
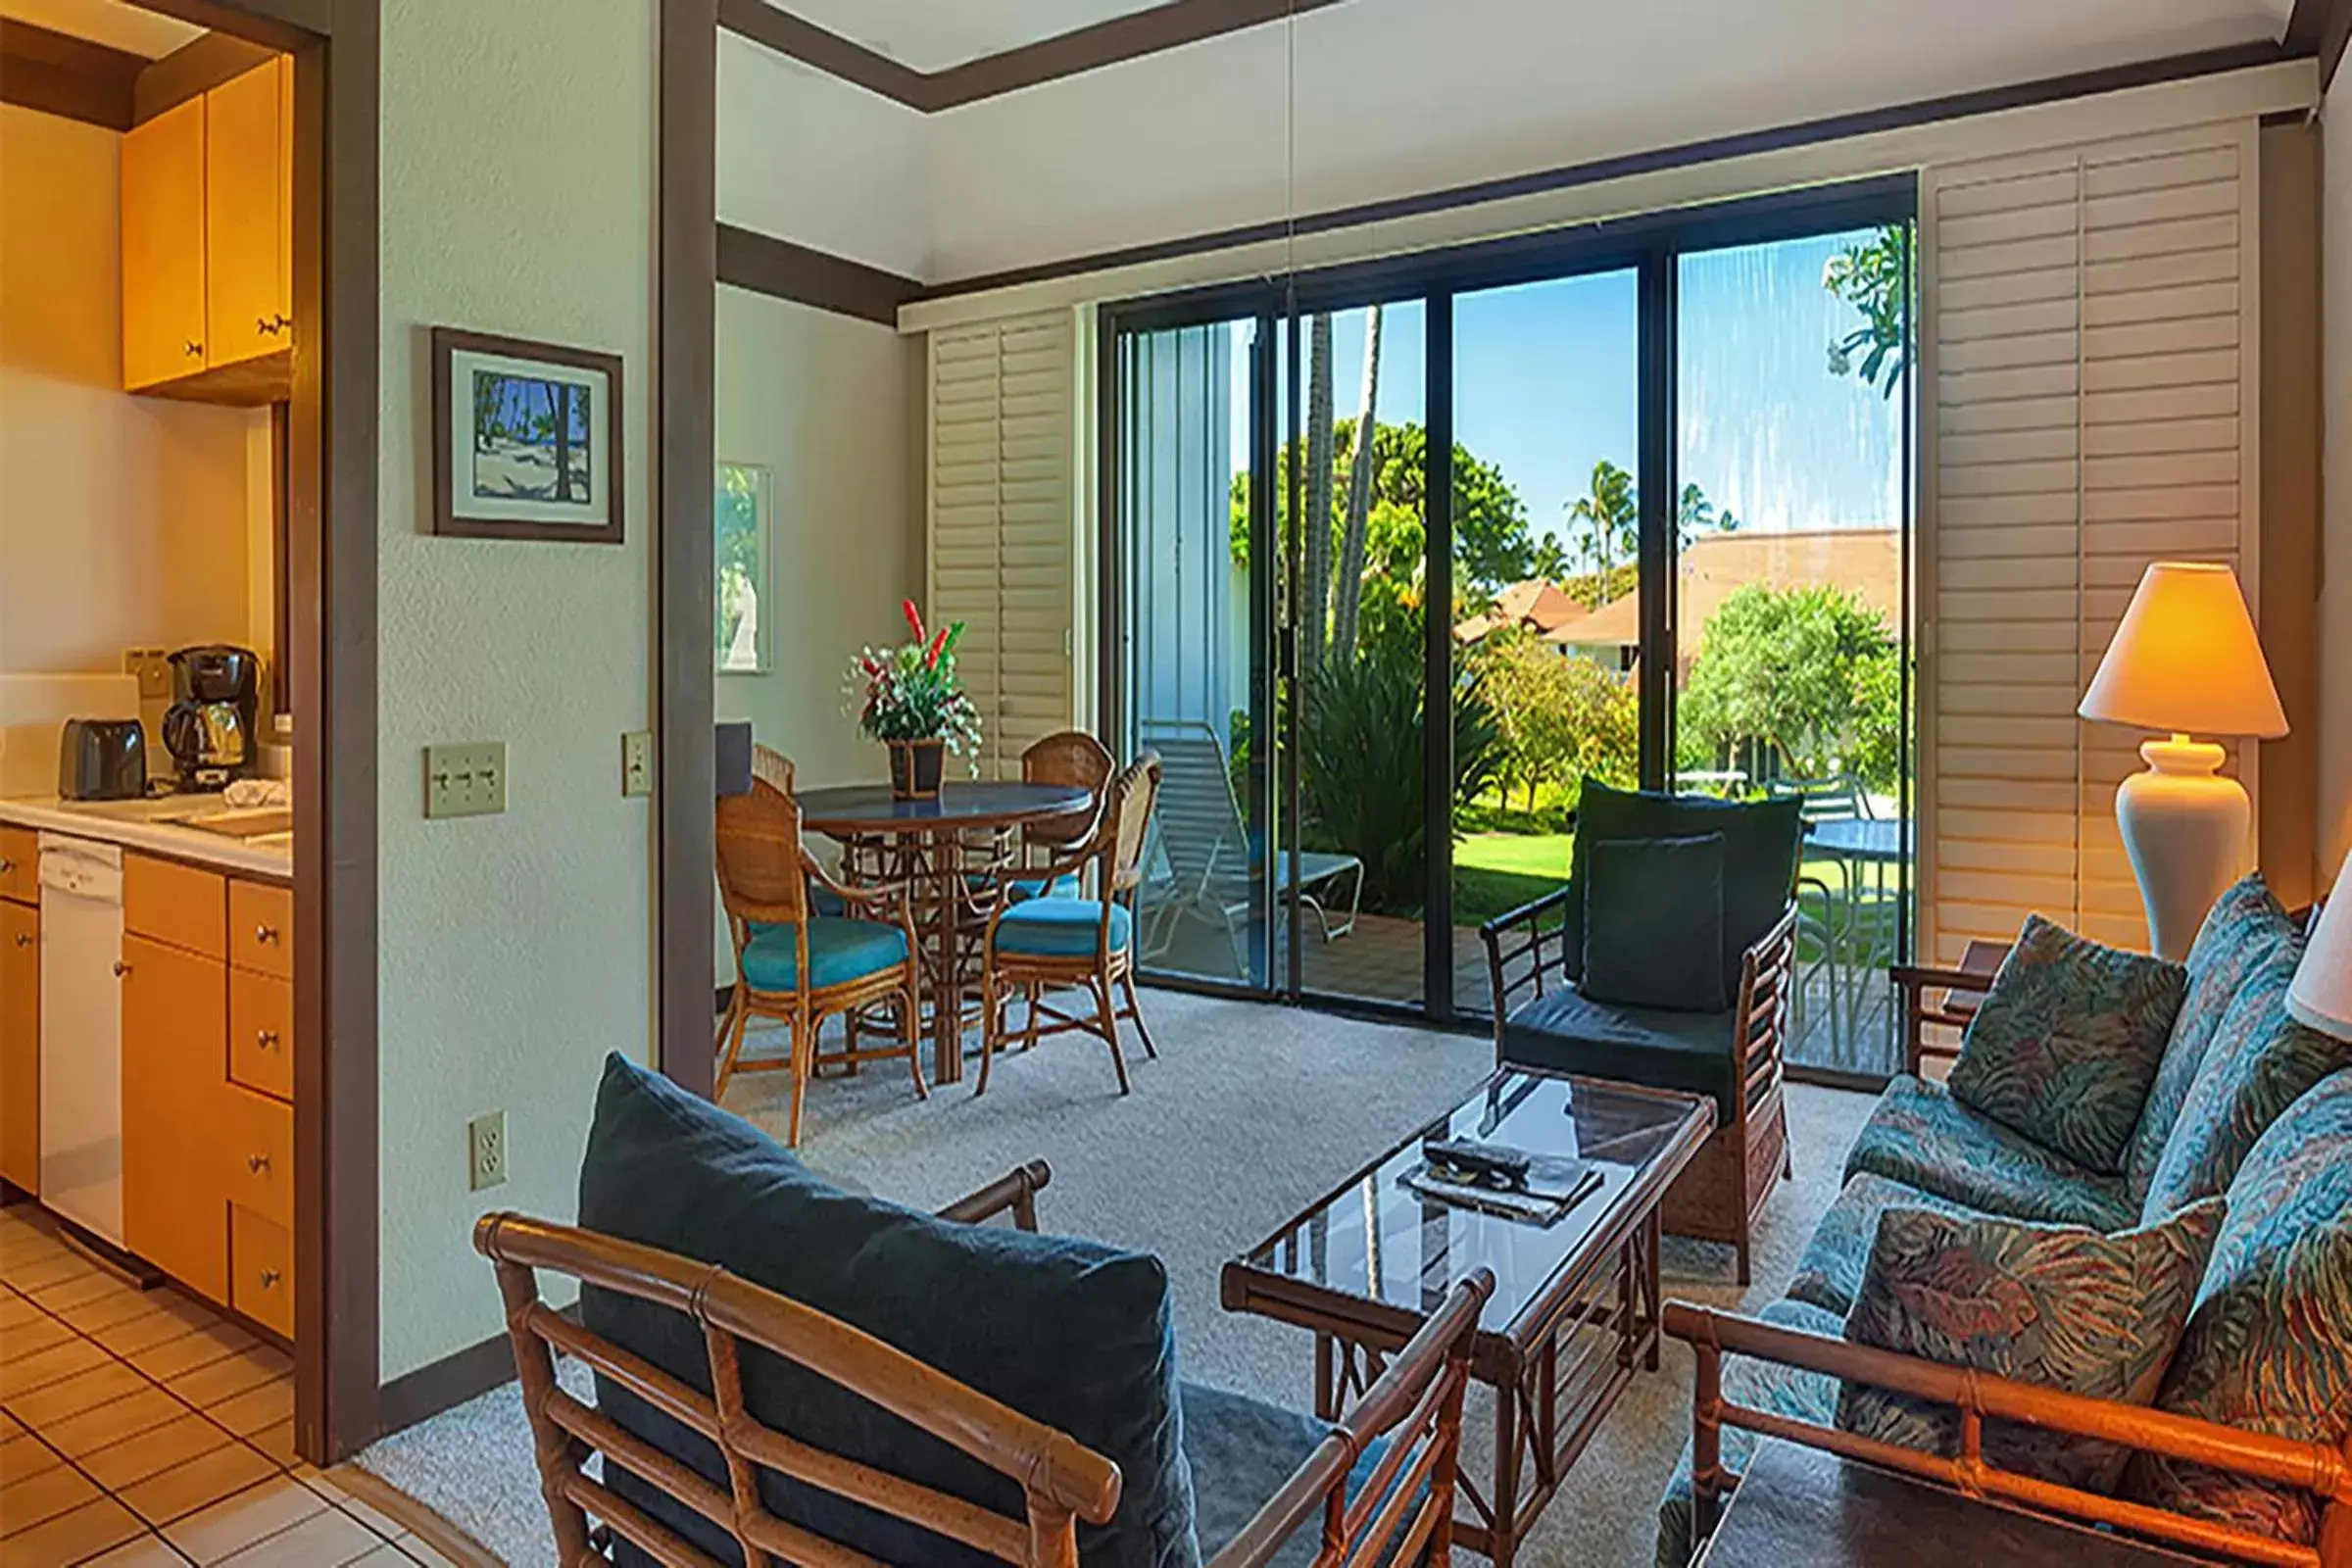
{"points": [[740, 557], [526, 440]]}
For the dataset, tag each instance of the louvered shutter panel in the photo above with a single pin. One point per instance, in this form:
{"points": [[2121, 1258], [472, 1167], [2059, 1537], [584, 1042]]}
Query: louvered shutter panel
{"points": [[2092, 337], [1002, 522]]}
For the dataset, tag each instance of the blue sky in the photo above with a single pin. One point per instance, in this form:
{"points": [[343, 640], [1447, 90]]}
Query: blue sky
{"points": [[1545, 387]]}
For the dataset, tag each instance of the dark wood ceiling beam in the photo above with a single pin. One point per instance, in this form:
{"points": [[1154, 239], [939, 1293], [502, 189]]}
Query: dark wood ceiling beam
{"points": [[58, 73], [2320, 27], [767, 264], [195, 67], [1167, 25]]}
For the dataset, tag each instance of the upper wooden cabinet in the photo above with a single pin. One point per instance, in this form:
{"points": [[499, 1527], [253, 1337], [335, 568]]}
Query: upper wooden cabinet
{"points": [[208, 243], [248, 262], [163, 248]]}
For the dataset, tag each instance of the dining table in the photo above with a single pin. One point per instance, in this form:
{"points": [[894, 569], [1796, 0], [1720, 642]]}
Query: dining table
{"points": [[942, 847]]}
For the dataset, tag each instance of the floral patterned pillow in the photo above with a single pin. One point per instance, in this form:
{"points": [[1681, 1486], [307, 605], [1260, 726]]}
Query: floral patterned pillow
{"points": [[2068, 1041], [2054, 1304]]}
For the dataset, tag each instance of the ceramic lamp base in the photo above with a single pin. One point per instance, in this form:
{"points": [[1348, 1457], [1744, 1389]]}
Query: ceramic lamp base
{"points": [[2184, 827]]}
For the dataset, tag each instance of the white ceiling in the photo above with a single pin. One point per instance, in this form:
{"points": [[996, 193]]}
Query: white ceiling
{"points": [[934, 34], [107, 22]]}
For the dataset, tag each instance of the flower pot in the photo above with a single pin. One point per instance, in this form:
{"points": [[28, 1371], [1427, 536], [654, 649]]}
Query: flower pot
{"points": [[916, 768]]}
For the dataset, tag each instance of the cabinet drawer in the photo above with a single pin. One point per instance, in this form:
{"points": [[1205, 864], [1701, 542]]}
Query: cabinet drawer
{"points": [[260, 1269], [177, 903], [19, 865], [261, 928], [261, 1033], [257, 1148]]}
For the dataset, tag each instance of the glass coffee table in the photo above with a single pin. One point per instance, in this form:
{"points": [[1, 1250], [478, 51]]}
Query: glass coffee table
{"points": [[1575, 1309]]}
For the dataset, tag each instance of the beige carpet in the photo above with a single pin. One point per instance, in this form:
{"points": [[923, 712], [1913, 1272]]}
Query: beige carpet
{"points": [[1250, 1113]]}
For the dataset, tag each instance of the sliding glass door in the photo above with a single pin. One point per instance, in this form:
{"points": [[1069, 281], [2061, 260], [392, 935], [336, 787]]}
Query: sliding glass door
{"points": [[1397, 556]]}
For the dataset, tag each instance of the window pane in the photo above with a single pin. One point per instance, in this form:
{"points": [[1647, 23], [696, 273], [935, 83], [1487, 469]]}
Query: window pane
{"points": [[741, 641]]}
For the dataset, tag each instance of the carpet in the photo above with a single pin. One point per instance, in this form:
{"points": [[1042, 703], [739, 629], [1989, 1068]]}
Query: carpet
{"points": [[1250, 1113]]}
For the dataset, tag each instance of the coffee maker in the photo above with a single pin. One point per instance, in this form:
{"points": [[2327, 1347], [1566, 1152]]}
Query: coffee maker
{"points": [[209, 729]]}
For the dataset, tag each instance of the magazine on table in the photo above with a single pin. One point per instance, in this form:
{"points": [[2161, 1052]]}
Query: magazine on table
{"points": [[1550, 1186]]}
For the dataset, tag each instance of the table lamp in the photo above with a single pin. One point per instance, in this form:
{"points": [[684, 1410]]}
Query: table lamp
{"points": [[2322, 994], [2184, 661]]}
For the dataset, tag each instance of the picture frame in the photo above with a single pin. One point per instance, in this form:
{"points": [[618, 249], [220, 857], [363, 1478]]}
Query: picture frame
{"points": [[526, 440], [743, 570]]}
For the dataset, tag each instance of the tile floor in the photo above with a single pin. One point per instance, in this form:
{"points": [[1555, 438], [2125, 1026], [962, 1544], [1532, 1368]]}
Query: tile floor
{"points": [[140, 1430]]}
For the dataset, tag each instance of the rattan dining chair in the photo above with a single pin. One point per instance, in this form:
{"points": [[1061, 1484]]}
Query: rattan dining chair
{"points": [[1038, 944], [1079, 760], [796, 966]]}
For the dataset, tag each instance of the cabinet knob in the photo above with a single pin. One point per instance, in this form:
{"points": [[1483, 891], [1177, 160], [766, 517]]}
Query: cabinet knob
{"points": [[266, 1038], [264, 934], [269, 1278], [122, 970], [257, 1163], [24, 938], [263, 326], [193, 349], [6, 865]]}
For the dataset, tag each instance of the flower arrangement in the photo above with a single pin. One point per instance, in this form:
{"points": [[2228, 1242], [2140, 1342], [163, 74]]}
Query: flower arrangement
{"points": [[909, 691]]}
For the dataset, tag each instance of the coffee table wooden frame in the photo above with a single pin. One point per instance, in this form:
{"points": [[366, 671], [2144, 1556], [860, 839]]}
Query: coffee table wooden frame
{"points": [[1556, 1368]]}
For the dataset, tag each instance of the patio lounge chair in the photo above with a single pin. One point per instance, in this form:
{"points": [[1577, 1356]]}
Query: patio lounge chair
{"points": [[1212, 864]]}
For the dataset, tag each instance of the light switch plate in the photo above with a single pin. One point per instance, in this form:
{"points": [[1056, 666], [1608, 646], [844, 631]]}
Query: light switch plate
{"points": [[153, 668], [637, 762], [466, 780]]}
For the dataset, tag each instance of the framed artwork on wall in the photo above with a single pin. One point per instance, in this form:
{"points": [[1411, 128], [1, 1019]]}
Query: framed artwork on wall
{"points": [[526, 440], [741, 561]]}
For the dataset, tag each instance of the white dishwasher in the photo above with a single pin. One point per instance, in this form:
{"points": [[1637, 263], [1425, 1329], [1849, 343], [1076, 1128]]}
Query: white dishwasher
{"points": [[81, 1033]]}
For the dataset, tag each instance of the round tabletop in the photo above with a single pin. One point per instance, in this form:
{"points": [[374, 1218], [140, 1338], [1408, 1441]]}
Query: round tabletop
{"points": [[868, 808], [1861, 838]]}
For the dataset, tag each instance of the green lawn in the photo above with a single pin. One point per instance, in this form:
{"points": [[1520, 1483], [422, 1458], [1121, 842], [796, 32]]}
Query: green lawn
{"points": [[1494, 874]]}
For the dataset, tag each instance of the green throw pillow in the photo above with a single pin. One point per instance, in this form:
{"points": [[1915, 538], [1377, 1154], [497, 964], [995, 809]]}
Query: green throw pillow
{"points": [[1653, 924], [2057, 1306], [2068, 1041], [1761, 842]]}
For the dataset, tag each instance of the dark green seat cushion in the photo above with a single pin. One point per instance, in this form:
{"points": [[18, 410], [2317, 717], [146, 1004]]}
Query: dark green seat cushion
{"points": [[1070, 1333], [1761, 842], [2245, 924], [839, 950], [1769, 1385], [2269, 1347], [1657, 941], [1060, 929], [1565, 1031], [2261, 1061], [1919, 1134], [2068, 1041]]}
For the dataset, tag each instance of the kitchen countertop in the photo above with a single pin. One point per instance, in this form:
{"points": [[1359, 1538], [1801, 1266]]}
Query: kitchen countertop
{"points": [[135, 825]]}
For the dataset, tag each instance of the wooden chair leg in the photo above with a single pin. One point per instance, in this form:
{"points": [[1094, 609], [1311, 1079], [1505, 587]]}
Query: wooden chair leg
{"points": [[991, 1026], [739, 1018], [911, 1034], [1110, 1022], [803, 1062], [1036, 1000], [1135, 1011]]}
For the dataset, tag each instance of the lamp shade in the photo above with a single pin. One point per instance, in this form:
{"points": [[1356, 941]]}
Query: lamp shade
{"points": [[2322, 994], [2186, 660]]}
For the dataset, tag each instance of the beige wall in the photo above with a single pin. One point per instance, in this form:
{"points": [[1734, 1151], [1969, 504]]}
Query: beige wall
{"points": [[517, 197], [123, 519], [2336, 605], [831, 407]]}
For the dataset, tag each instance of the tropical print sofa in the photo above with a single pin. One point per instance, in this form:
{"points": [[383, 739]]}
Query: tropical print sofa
{"points": [[2247, 1105]]}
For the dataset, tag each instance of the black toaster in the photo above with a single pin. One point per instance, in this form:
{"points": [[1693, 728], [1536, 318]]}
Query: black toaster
{"points": [[102, 760]]}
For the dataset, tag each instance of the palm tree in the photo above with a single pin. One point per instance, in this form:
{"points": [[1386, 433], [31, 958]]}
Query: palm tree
{"points": [[1350, 579], [1316, 595], [1611, 517]]}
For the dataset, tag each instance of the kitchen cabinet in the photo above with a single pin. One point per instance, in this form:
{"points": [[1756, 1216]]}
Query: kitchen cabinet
{"points": [[208, 243], [248, 210], [21, 1046], [163, 247], [175, 1111], [19, 865]]}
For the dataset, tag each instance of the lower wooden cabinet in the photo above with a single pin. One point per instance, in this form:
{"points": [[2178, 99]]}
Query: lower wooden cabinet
{"points": [[261, 1254], [175, 1112], [20, 1044]]}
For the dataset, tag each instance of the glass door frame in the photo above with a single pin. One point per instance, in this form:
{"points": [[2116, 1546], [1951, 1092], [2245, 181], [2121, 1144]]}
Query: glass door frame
{"points": [[1651, 245]]}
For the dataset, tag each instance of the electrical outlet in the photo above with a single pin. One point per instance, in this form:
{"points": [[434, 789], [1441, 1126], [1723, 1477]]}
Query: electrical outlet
{"points": [[637, 762], [153, 668], [468, 781], [486, 1151]]}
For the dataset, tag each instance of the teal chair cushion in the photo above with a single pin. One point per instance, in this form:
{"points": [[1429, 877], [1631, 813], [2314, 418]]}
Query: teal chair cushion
{"points": [[1064, 886], [1060, 929], [839, 950]]}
